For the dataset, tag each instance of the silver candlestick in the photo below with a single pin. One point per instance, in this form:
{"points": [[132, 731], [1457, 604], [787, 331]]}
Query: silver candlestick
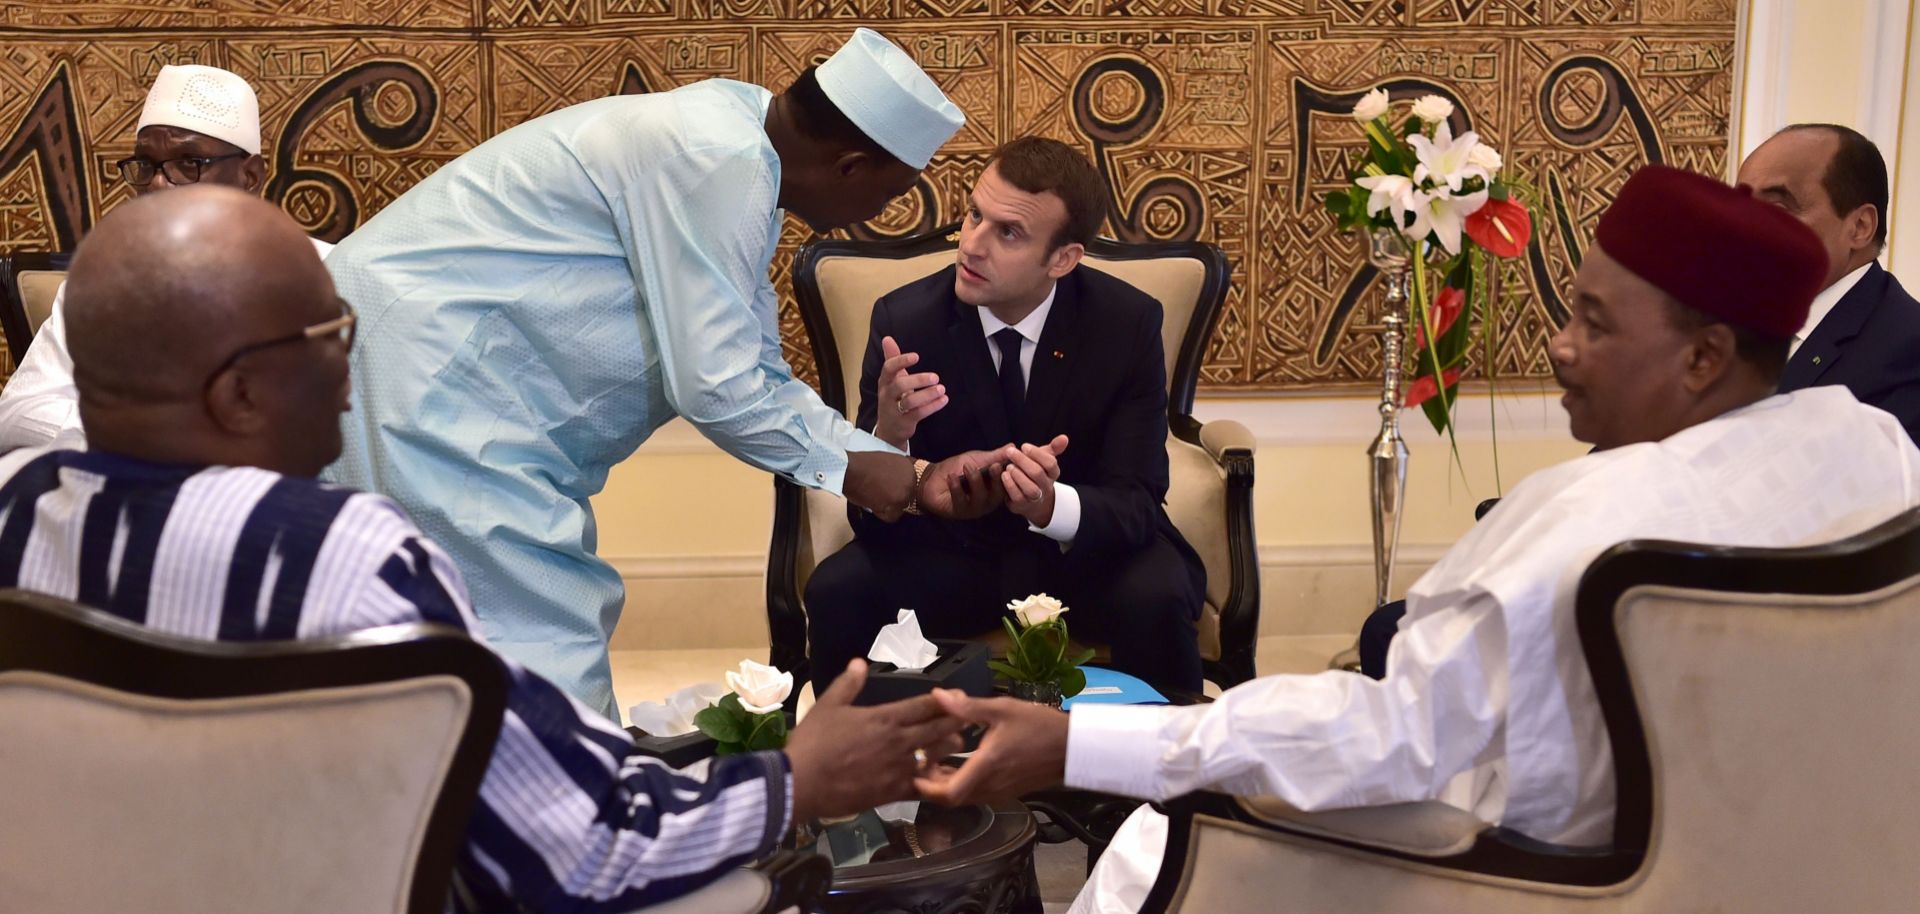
{"points": [[1387, 454]]}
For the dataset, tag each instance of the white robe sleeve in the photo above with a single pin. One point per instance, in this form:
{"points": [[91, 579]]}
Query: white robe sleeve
{"points": [[39, 406], [1324, 741]]}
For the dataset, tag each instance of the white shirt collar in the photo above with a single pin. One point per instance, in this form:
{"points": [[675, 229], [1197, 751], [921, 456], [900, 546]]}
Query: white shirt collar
{"points": [[1029, 326], [1828, 297]]}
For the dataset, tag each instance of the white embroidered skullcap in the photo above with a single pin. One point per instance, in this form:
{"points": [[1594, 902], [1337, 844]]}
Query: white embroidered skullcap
{"points": [[885, 94], [205, 100]]}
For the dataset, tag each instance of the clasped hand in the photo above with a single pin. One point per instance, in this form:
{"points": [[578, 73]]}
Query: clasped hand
{"points": [[971, 484], [845, 758]]}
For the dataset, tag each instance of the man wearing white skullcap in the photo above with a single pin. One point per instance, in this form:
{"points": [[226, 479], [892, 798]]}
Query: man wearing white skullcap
{"points": [[535, 309], [200, 125]]}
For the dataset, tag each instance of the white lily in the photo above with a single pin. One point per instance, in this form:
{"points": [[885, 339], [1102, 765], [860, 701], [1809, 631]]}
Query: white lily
{"points": [[1446, 160], [1444, 214], [1390, 191]]}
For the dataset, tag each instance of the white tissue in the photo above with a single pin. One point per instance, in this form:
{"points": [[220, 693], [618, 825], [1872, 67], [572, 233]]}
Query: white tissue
{"points": [[674, 717], [902, 645]]}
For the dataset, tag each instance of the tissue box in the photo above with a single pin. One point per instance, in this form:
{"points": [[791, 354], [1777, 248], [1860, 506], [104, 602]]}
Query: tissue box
{"points": [[962, 665], [678, 751]]}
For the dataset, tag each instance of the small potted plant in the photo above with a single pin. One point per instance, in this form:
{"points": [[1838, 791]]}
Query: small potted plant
{"points": [[751, 718], [1041, 665]]}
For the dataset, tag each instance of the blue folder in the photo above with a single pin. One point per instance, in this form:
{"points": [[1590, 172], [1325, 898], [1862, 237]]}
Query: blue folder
{"points": [[1112, 687]]}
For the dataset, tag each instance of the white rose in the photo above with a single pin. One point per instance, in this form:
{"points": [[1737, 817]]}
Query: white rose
{"points": [[1371, 105], [761, 688], [1036, 609], [1486, 158], [1432, 109]]}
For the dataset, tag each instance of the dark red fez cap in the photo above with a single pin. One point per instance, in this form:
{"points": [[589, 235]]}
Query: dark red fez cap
{"points": [[1715, 248]]}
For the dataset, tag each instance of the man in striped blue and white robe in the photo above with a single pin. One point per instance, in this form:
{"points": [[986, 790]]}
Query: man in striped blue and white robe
{"points": [[196, 513]]}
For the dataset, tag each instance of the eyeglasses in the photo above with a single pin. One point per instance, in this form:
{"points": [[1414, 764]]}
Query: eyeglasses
{"points": [[341, 327], [139, 172]]}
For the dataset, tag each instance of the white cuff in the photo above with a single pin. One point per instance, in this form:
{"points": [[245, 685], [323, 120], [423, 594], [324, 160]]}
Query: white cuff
{"points": [[1065, 524], [1116, 749]]}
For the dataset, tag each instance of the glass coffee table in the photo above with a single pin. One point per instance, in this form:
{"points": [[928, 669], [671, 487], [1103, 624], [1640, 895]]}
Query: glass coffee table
{"points": [[923, 857]]}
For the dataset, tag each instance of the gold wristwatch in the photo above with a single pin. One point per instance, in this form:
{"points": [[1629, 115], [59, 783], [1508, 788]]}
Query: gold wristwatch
{"points": [[919, 473]]}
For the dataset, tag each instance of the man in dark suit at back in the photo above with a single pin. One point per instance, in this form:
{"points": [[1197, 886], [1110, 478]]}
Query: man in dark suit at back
{"points": [[1864, 329], [1018, 342]]}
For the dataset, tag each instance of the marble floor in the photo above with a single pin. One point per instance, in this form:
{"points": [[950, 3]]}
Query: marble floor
{"points": [[642, 674]]}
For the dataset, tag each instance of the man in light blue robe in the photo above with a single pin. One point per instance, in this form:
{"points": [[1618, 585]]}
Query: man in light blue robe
{"points": [[534, 310]]}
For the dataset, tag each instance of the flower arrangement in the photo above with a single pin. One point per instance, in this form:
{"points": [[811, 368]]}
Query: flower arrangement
{"points": [[1038, 654], [1444, 197], [752, 717]]}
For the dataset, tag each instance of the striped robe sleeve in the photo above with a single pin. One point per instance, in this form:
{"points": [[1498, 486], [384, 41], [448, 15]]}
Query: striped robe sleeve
{"points": [[570, 818]]}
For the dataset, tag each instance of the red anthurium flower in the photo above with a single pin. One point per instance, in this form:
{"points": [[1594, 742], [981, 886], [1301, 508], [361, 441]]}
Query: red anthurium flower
{"points": [[1446, 309], [1500, 226], [1423, 388]]}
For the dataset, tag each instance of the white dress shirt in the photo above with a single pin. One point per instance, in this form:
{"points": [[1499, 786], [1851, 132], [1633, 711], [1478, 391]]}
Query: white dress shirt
{"points": [[1066, 502], [39, 406], [1487, 703], [1823, 305]]}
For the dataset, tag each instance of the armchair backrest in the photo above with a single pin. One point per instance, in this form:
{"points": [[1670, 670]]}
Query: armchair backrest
{"points": [[1759, 704], [30, 280], [149, 772], [1760, 707]]}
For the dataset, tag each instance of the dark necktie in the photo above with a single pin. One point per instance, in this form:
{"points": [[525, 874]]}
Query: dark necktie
{"points": [[1013, 387]]}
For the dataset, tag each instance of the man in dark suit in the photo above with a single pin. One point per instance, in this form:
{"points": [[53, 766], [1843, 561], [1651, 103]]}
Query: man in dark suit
{"points": [[1864, 329], [1018, 342]]}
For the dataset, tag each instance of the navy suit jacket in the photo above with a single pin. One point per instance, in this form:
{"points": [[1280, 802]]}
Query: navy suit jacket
{"points": [[1098, 377], [1869, 342]]}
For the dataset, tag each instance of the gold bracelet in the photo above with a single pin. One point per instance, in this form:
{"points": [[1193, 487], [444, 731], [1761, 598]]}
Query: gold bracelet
{"points": [[919, 473]]}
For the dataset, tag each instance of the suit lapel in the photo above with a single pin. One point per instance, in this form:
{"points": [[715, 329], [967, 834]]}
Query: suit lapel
{"points": [[1053, 362], [977, 383], [1822, 348]]}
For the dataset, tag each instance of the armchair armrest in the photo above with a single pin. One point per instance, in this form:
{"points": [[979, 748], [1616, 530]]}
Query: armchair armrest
{"points": [[1431, 834], [1224, 436], [1430, 829], [788, 880], [800, 880]]}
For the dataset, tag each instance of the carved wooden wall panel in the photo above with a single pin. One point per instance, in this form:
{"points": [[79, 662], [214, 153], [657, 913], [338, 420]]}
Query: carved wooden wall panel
{"points": [[1223, 120]]}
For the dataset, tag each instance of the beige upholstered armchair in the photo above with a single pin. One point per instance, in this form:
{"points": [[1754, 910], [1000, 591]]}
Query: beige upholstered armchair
{"points": [[140, 771], [147, 772], [1211, 494], [28, 281], [1761, 706]]}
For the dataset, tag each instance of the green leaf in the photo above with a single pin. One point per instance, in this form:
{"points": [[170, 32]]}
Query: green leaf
{"points": [[1072, 681], [729, 749], [720, 724], [1004, 669], [1085, 655], [730, 703], [1436, 414], [1338, 204], [769, 732]]}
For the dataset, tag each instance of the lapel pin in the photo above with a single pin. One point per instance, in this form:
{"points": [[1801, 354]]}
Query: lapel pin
{"points": [[1058, 354], [1816, 359]]}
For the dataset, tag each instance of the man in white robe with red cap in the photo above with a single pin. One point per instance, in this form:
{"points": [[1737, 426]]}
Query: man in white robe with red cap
{"points": [[1682, 313], [200, 125]]}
